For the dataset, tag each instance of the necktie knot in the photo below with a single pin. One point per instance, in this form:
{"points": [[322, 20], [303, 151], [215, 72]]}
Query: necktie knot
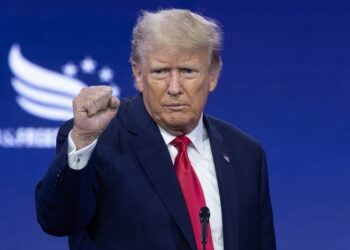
{"points": [[181, 143]]}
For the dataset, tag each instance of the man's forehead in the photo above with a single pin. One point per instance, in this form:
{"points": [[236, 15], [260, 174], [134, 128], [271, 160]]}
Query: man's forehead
{"points": [[170, 56]]}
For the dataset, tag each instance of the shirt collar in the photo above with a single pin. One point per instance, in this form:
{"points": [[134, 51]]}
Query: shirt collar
{"points": [[196, 136]]}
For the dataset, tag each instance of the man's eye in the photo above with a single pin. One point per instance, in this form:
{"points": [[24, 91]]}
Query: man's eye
{"points": [[189, 73], [158, 71], [187, 70]]}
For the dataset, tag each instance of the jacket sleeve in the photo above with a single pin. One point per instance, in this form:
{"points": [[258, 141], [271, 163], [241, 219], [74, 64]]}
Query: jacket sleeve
{"points": [[267, 232], [65, 198]]}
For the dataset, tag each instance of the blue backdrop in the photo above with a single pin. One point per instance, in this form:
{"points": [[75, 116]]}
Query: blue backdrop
{"points": [[285, 81]]}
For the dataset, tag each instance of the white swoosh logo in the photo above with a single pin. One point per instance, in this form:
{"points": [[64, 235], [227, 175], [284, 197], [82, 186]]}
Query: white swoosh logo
{"points": [[42, 92]]}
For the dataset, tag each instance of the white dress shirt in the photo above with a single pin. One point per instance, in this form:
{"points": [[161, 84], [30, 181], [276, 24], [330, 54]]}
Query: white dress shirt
{"points": [[201, 157]]}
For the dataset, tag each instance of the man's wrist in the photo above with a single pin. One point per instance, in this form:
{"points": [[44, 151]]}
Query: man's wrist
{"points": [[77, 159], [82, 139]]}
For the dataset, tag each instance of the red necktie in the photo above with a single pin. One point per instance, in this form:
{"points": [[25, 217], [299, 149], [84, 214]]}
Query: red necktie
{"points": [[191, 189]]}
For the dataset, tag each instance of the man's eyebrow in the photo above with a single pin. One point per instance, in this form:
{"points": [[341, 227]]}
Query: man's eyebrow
{"points": [[159, 64], [159, 67], [189, 66]]}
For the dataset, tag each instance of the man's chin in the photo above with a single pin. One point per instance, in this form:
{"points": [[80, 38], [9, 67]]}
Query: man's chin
{"points": [[178, 127]]}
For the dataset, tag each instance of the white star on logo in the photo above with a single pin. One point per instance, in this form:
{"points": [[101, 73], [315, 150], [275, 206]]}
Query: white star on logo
{"points": [[70, 69], [106, 74], [88, 65]]}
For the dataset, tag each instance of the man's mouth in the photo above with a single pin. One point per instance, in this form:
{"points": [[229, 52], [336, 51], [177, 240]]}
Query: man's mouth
{"points": [[175, 106]]}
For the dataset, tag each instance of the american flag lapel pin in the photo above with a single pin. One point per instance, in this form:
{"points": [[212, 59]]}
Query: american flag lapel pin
{"points": [[226, 158]]}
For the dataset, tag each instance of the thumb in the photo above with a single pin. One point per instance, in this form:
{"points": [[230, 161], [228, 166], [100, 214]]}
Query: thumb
{"points": [[114, 103]]}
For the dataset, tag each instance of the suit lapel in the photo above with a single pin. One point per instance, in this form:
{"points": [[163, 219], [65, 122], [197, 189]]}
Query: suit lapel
{"points": [[226, 177], [148, 145]]}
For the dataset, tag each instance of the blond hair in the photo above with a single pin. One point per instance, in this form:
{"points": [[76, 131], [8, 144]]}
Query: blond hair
{"points": [[177, 29]]}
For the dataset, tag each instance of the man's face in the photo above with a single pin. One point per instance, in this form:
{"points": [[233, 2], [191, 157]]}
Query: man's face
{"points": [[175, 87]]}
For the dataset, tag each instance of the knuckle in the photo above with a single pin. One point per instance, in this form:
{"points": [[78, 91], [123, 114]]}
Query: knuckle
{"points": [[89, 103], [106, 88]]}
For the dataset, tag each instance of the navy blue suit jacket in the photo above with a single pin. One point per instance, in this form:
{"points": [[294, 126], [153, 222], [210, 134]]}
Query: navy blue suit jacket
{"points": [[128, 196]]}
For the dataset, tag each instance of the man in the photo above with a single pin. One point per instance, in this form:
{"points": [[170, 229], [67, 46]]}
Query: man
{"points": [[134, 173]]}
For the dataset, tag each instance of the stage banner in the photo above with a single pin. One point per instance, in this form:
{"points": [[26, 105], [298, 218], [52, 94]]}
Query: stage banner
{"points": [[285, 81]]}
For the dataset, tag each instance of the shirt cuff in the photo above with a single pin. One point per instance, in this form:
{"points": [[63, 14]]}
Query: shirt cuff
{"points": [[77, 159]]}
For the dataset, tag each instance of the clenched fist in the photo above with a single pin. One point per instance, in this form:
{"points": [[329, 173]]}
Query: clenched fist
{"points": [[93, 109]]}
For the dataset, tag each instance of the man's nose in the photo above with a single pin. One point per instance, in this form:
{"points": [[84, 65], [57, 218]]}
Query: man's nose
{"points": [[174, 87]]}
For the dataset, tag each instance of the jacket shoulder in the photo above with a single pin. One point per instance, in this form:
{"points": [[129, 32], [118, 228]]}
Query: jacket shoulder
{"points": [[232, 135]]}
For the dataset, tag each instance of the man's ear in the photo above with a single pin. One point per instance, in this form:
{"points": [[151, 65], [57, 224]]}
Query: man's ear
{"points": [[137, 76], [213, 79]]}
